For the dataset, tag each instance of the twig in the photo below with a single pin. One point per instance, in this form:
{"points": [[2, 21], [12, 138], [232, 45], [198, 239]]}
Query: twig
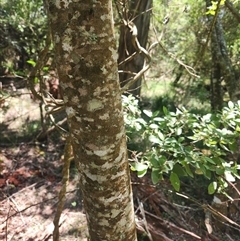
{"points": [[133, 30], [144, 220], [62, 193], [233, 10], [188, 68], [213, 211], [218, 214], [6, 226], [202, 52], [37, 68], [171, 225], [13, 201]]}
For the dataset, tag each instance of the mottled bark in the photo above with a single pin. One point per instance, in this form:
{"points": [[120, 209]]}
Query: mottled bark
{"points": [[86, 58], [140, 10]]}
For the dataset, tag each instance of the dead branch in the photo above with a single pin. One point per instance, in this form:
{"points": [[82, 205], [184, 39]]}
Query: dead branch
{"points": [[62, 193], [171, 226], [133, 30]]}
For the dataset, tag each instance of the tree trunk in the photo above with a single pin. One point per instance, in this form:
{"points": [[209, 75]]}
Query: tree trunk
{"points": [[222, 69], [126, 48], [86, 59]]}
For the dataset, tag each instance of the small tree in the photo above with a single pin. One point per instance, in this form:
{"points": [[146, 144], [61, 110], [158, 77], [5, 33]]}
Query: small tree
{"points": [[86, 59]]}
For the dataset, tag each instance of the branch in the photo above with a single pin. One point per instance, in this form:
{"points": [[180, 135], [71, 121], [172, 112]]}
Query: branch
{"points": [[233, 10], [133, 30], [37, 68], [62, 193], [209, 33], [188, 68]]}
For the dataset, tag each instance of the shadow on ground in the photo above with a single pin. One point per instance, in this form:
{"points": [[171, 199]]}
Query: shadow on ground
{"points": [[30, 181]]}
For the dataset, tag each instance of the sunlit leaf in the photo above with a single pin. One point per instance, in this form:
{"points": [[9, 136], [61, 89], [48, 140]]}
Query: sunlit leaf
{"points": [[141, 173], [154, 139], [229, 177], [212, 187], [74, 204], [32, 62], [147, 113], [230, 104]]}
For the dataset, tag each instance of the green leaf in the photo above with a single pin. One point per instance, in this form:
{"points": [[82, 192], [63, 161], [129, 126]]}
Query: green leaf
{"points": [[212, 187], [161, 136], [210, 160], [180, 139], [165, 110], [156, 176], [230, 104], [219, 171], [138, 166], [155, 162], [74, 204], [155, 140], [199, 171], [141, 173], [46, 68], [229, 177], [178, 169], [208, 174], [154, 126], [188, 170], [174, 179], [32, 62], [178, 131], [147, 113]]}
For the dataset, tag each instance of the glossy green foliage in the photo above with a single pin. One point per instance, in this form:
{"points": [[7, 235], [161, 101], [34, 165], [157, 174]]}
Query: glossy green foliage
{"points": [[184, 144]]}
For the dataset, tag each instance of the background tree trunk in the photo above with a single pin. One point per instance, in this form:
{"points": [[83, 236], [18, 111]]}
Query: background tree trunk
{"points": [[222, 69], [82, 32], [126, 48]]}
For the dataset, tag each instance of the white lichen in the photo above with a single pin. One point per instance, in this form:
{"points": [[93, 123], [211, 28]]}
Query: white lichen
{"points": [[94, 105], [56, 38], [104, 117], [76, 132], [114, 53], [62, 3], [104, 70], [104, 17], [88, 119], [82, 91], [67, 47], [75, 100], [70, 112]]}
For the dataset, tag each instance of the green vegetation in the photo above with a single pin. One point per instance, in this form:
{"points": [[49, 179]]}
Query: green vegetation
{"points": [[182, 144]]}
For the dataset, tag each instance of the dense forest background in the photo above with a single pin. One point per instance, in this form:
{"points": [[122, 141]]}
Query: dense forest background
{"points": [[182, 118]]}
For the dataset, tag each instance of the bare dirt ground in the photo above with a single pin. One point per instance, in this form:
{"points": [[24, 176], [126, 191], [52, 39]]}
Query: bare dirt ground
{"points": [[29, 185], [30, 177], [30, 180]]}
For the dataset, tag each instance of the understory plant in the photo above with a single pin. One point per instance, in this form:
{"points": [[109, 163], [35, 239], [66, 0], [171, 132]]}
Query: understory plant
{"points": [[181, 143]]}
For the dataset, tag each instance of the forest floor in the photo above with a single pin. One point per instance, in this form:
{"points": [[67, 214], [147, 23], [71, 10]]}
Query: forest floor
{"points": [[30, 180]]}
